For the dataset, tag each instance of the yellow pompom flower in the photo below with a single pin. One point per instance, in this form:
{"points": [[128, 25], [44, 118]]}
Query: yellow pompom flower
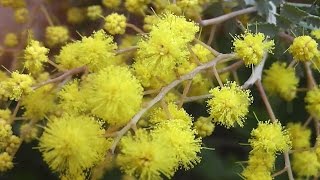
{"points": [[316, 33], [5, 162], [149, 21], [10, 40], [172, 112], [260, 165], [94, 12], [34, 55], [166, 47], [303, 48], [187, 3], [72, 100], [5, 133], [144, 158], [299, 135], [204, 126], [28, 132], [21, 15], [136, 6], [181, 140], [251, 47], [202, 53], [96, 52], [312, 100], [12, 144], [56, 35], [270, 137], [256, 173], [75, 15], [305, 164], [281, 80], [116, 95], [229, 104], [115, 23], [34, 103], [5, 114], [72, 144], [111, 3], [16, 86]]}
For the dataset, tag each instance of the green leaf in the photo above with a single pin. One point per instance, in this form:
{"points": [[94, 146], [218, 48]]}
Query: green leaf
{"points": [[265, 28], [311, 22], [293, 13], [283, 22]]}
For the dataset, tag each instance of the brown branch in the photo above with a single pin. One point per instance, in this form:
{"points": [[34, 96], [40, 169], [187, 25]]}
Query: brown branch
{"points": [[185, 92], [196, 98], [65, 75], [213, 51], [265, 100], [228, 16], [134, 27], [231, 67], [129, 49], [280, 172], [162, 94]]}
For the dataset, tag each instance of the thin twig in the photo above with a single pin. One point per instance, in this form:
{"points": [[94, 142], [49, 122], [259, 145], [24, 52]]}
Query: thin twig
{"points": [[134, 27], [288, 165], [280, 172], [311, 81], [265, 100], [211, 35], [231, 67], [216, 75], [162, 94], [129, 49], [185, 92], [46, 14], [196, 98], [307, 121], [228, 16], [213, 51], [61, 77]]}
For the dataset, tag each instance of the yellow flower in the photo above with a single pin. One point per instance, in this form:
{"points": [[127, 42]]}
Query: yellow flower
{"points": [[116, 95], [10, 40], [115, 23], [111, 3], [251, 47], [312, 100], [21, 15], [172, 112], [204, 126], [299, 135], [281, 80], [229, 104], [96, 52], [94, 12], [56, 35], [202, 53], [181, 140], [34, 55], [256, 173], [38, 103], [142, 157], [75, 15], [136, 6], [303, 48], [316, 33], [72, 144], [5, 162], [305, 163], [270, 137]]}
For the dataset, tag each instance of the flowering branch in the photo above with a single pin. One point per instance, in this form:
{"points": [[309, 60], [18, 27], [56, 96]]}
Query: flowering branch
{"points": [[65, 75], [228, 16], [162, 94]]}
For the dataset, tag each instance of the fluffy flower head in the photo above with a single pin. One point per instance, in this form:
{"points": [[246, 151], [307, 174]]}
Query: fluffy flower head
{"points": [[251, 47], [115, 23], [313, 102], [35, 54], [72, 144], [229, 104], [270, 137], [303, 48], [117, 94], [281, 80]]}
